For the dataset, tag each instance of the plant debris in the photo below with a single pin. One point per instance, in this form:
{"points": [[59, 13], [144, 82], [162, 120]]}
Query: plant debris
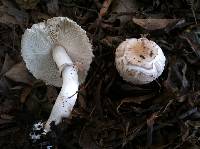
{"points": [[109, 113]]}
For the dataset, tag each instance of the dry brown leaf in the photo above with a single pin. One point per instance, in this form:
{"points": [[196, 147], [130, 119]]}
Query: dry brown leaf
{"points": [[27, 4], [53, 7], [105, 7], [25, 92], [150, 124], [39, 16], [19, 73], [4, 86], [86, 139], [124, 6], [51, 93], [8, 63], [10, 14], [7, 19], [137, 100], [7, 106], [6, 116], [154, 24], [82, 102], [111, 41]]}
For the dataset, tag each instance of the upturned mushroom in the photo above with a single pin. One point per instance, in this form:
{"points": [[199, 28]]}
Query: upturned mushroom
{"points": [[58, 52], [139, 61]]}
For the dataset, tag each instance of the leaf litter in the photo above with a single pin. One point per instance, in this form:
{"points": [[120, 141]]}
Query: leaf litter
{"points": [[109, 113]]}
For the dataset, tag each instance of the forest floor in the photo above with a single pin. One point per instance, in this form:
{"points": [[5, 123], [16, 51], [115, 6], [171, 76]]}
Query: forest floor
{"points": [[109, 113]]}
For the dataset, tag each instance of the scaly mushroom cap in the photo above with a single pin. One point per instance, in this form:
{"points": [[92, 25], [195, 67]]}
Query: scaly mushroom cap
{"points": [[139, 61], [38, 41]]}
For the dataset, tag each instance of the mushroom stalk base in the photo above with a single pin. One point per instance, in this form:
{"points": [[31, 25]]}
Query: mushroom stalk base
{"points": [[68, 94]]}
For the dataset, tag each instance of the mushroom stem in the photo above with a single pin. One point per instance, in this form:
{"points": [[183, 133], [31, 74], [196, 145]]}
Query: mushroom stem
{"points": [[68, 94]]}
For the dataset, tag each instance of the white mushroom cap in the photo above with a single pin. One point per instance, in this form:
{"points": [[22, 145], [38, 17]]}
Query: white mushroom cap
{"points": [[139, 61], [40, 39]]}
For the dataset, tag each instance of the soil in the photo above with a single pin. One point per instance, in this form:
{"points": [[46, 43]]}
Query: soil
{"points": [[110, 113]]}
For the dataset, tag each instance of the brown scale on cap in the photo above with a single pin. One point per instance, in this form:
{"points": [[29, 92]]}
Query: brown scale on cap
{"points": [[141, 49], [139, 60]]}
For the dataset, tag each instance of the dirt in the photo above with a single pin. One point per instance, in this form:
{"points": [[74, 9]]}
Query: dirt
{"points": [[109, 113]]}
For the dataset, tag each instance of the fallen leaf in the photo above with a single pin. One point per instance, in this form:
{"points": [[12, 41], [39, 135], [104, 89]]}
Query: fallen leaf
{"points": [[150, 124], [138, 99], [5, 121], [86, 139], [9, 131], [19, 73], [14, 15], [8, 63], [25, 92], [105, 7], [111, 41], [154, 24], [192, 37], [126, 7], [4, 86], [27, 4], [53, 7], [7, 106], [81, 98], [7, 19], [6, 117], [39, 16], [51, 94], [177, 81]]}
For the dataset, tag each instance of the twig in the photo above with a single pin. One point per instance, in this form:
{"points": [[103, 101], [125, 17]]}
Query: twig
{"points": [[191, 4]]}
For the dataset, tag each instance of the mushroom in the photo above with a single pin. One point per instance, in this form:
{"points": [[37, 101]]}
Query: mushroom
{"points": [[139, 61], [58, 52]]}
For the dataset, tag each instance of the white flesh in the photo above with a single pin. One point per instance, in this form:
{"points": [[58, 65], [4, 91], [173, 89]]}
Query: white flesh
{"points": [[68, 94]]}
